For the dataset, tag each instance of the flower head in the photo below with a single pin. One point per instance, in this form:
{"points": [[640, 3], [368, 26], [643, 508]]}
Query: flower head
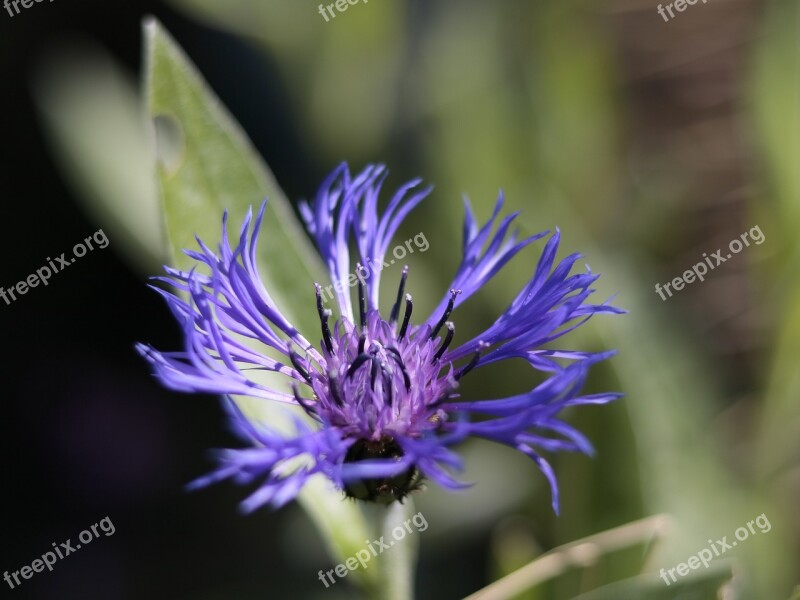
{"points": [[381, 391]]}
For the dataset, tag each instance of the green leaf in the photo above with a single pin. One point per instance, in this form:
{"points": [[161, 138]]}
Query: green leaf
{"points": [[205, 165]]}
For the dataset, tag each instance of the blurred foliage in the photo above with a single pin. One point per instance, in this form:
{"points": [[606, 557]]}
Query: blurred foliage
{"points": [[532, 97], [776, 96], [92, 115]]}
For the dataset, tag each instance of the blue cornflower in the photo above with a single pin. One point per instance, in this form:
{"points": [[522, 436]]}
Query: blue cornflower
{"points": [[382, 393]]}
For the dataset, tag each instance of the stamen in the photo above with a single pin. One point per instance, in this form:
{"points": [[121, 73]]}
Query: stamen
{"points": [[395, 354], [362, 340], [310, 410], [295, 358], [376, 366], [406, 378], [451, 329], [333, 384], [362, 301], [400, 289], [406, 318], [447, 311], [360, 360], [387, 385], [324, 315], [473, 362]]}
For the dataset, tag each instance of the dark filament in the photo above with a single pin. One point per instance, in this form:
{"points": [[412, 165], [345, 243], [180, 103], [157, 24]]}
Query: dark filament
{"points": [[376, 367], [451, 329], [401, 288], [360, 360], [310, 410], [295, 358], [447, 311], [333, 384], [471, 364], [387, 385], [362, 301], [406, 318], [362, 339], [395, 354]]}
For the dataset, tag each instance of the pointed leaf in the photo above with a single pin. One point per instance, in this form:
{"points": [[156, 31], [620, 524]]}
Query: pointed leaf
{"points": [[205, 165]]}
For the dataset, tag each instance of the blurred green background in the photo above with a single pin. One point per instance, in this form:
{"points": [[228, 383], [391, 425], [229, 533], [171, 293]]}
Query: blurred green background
{"points": [[647, 142]]}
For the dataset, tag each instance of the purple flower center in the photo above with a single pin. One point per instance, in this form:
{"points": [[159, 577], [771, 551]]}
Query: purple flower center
{"points": [[379, 381]]}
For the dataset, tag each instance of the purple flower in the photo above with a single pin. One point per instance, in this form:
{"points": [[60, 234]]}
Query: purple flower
{"points": [[381, 393]]}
